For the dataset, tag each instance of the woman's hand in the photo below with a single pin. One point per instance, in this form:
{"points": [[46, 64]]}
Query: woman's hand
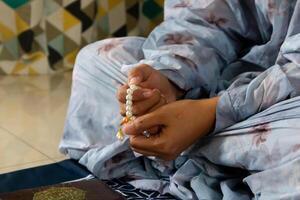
{"points": [[182, 124], [156, 90]]}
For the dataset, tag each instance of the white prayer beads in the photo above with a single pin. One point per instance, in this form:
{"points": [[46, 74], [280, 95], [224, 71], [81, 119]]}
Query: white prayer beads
{"points": [[129, 114], [129, 103]]}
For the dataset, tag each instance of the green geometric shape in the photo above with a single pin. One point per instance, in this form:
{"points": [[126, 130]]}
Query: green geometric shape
{"points": [[15, 3], [151, 9], [104, 25], [12, 47], [58, 44], [51, 6]]}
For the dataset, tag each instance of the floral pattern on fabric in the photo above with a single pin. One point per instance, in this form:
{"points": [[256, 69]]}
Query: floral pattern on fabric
{"points": [[254, 149]]}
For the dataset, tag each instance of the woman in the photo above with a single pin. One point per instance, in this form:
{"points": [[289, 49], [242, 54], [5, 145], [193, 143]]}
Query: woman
{"points": [[238, 138]]}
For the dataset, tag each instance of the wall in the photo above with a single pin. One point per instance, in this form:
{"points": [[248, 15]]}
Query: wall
{"points": [[44, 36]]}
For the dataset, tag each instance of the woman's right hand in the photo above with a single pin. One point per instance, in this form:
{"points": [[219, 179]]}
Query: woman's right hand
{"points": [[182, 124]]}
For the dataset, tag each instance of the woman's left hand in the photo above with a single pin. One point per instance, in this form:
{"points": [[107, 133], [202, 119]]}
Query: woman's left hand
{"points": [[182, 124]]}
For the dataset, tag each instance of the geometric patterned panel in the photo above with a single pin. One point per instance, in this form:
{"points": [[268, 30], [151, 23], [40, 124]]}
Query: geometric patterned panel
{"points": [[152, 15], [44, 36]]}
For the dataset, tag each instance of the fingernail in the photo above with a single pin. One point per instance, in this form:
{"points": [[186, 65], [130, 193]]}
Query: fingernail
{"points": [[135, 80], [148, 94], [156, 90]]}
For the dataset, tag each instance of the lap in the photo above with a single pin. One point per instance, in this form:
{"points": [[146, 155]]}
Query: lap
{"points": [[103, 60], [93, 114], [267, 140]]}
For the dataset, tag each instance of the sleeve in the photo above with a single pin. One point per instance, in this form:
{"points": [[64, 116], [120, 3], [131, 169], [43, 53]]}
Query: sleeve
{"points": [[199, 38], [248, 96]]}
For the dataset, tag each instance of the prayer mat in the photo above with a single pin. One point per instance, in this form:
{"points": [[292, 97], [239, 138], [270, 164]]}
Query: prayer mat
{"points": [[64, 171], [80, 190]]}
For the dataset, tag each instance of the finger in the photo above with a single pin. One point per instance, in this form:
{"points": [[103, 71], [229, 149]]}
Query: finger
{"points": [[144, 122], [138, 95], [121, 93], [139, 74], [161, 103], [141, 107], [143, 152], [142, 94], [152, 146], [154, 130], [123, 109], [145, 144]]}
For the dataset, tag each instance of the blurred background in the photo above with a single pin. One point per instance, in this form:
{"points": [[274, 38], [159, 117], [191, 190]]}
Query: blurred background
{"points": [[39, 41]]}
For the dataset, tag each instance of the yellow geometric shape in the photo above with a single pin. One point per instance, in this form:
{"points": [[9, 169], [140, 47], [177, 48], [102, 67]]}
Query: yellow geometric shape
{"points": [[69, 20], [101, 11], [21, 25], [151, 26], [112, 4], [40, 65], [74, 33], [5, 33], [18, 68], [160, 2], [32, 71], [70, 58], [104, 4], [7, 17], [25, 65], [32, 56]]}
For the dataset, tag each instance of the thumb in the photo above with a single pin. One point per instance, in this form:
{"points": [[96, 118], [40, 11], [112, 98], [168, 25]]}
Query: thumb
{"points": [[144, 123], [139, 74]]}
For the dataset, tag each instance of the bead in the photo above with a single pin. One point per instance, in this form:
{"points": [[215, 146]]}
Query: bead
{"points": [[132, 118], [129, 91], [128, 114], [124, 121], [133, 87], [128, 108], [129, 97]]}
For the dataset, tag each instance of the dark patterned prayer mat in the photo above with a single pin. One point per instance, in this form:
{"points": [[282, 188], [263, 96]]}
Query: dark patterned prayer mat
{"points": [[132, 193], [64, 171]]}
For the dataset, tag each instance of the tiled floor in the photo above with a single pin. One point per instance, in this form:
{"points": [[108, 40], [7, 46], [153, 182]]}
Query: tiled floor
{"points": [[32, 114]]}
